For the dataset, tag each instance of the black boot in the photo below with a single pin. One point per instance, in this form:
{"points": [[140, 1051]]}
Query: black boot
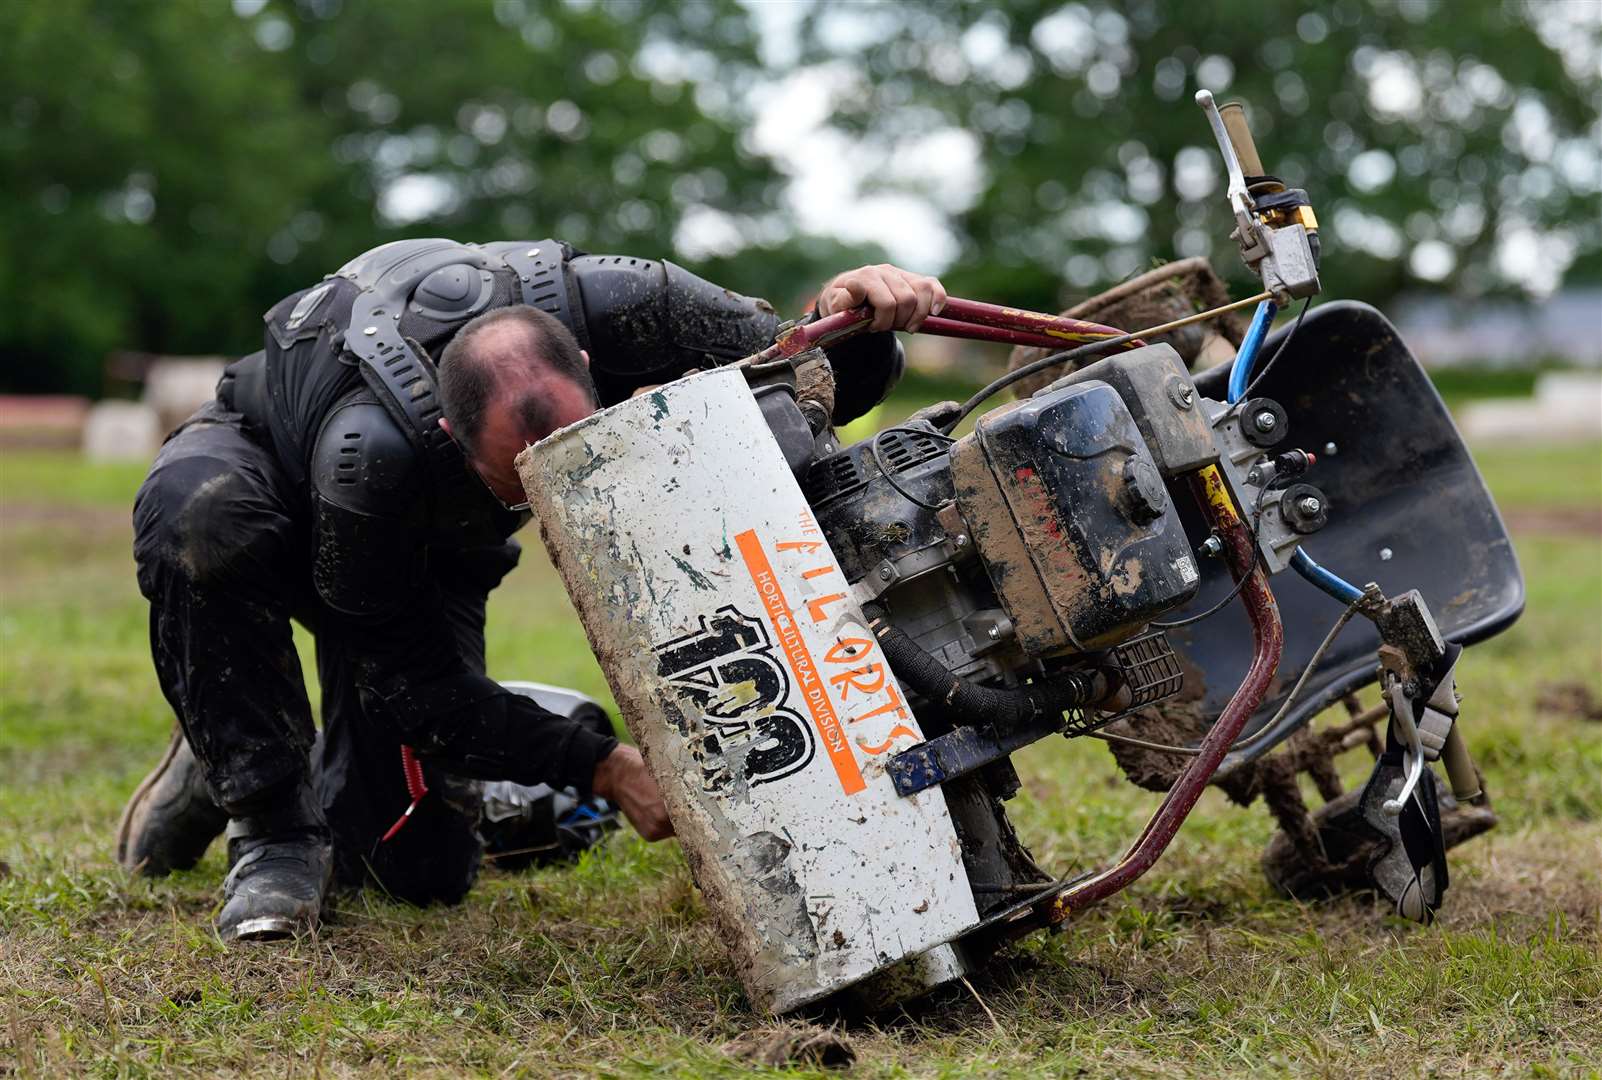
{"points": [[282, 863], [171, 818]]}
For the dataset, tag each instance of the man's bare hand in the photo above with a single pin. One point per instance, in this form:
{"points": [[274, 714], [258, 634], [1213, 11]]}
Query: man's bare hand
{"points": [[622, 779], [900, 299]]}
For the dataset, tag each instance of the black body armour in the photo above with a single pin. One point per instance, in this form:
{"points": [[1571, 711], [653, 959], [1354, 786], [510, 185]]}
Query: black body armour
{"points": [[346, 388], [385, 317]]}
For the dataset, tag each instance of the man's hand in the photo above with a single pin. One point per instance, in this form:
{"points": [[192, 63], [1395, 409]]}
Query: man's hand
{"points": [[901, 300], [622, 779]]}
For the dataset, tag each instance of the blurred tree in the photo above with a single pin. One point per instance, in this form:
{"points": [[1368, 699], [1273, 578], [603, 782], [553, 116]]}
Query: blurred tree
{"points": [[149, 151], [174, 169], [1453, 144]]}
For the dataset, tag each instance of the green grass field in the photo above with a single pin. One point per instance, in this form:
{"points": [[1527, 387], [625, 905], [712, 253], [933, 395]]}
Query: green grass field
{"points": [[611, 967]]}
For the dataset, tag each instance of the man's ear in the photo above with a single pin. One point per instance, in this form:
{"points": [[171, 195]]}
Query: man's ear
{"points": [[586, 356]]}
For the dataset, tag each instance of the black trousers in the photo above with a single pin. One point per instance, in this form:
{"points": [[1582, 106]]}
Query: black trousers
{"points": [[223, 548]]}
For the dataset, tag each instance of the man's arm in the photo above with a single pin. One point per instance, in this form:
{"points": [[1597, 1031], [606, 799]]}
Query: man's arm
{"points": [[369, 569], [648, 322]]}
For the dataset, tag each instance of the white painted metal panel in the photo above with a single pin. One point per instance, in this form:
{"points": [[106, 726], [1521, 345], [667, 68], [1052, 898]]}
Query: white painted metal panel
{"points": [[748, 676]]}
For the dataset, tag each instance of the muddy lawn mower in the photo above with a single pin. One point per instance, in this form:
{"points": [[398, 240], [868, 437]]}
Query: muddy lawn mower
{"points": [[829, 652]]}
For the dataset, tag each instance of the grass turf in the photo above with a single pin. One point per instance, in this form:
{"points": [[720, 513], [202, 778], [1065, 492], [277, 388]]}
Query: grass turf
{"points": [[611, 967]]}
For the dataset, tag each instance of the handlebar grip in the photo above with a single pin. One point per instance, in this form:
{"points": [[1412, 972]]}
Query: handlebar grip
{"points": [[1234, 117]]}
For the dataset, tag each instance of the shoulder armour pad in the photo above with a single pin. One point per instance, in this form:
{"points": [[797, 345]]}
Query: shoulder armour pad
{"points": [[454, 292], [364, 463]]}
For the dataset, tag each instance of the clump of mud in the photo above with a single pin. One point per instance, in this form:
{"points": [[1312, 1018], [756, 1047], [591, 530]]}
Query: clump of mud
{"points": [[803, 1045], [1570, 699]]}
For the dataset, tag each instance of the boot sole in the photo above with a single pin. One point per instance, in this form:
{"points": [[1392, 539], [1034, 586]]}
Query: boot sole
{"points": [[270, 928], [126, 824]]}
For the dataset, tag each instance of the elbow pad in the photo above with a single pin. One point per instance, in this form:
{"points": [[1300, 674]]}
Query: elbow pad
{"points": [[650, 322], [365, 479]]}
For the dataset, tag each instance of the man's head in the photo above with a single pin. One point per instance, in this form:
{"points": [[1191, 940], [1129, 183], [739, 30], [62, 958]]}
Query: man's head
{"points": [[507, 379]]}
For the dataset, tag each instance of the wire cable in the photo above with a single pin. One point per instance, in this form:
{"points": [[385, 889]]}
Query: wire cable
{"points": [[995, 386], [884, 470], [1257, 518], [1279, 350], [1247, 743], [1216, 608]]}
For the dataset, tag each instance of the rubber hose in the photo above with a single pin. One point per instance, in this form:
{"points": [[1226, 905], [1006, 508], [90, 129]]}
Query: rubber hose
{"points": [[1004, 709]]}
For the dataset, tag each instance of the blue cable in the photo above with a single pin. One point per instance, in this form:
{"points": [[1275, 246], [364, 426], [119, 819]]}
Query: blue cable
{"points": [[1334, 584], [1239, 378], [1241, 373]]}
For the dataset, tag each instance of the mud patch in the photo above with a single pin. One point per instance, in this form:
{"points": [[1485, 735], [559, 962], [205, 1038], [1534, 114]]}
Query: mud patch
{"points": [[781, 1047], [1555, 520], [1570, 699]]}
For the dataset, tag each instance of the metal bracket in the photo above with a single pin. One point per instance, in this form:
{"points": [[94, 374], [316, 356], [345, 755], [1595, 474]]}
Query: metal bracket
{"points": [[1276, 540], [1289, 270]]}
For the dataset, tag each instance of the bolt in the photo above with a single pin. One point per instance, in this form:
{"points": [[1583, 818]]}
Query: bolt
{"points": [[1211, 548], [370, 330], [1309, 505], [886, 572], [1385, 554], [1331, 449], [1265, 421], [960, 541], [995, 633], [1255, 476]]}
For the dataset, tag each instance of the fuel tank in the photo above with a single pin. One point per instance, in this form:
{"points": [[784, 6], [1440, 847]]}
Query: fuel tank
{"points": [[753, 686]]}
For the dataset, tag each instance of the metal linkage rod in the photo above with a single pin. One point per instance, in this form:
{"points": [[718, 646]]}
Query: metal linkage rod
{"points": [[1268, 644]]}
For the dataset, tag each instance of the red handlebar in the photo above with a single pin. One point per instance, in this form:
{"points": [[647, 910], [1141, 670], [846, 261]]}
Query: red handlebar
{"points": [[970, 319]]}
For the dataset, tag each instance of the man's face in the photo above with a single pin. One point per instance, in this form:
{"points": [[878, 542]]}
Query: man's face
{"points": [[508, 429]]}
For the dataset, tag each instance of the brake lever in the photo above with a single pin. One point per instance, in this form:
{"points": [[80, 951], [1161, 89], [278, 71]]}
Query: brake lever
{"points": [[1276, 228], [1412, 746], [1240, 200]]}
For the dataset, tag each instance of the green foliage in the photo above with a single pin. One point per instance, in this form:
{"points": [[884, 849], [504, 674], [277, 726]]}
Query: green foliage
{"points": [[150, 151], [1408, 122], [174, 169]]}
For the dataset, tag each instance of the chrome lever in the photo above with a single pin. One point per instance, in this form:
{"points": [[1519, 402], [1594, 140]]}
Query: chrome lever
{"points": [[1412, 746], [1240, 200]]}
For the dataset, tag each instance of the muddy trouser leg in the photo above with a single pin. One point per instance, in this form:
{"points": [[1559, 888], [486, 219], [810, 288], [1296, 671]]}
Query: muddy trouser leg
{"points": [[435, 856], [214, 544]]}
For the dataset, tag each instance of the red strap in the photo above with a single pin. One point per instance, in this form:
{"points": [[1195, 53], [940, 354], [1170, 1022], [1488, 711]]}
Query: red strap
{"points": [[416, 787]]}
